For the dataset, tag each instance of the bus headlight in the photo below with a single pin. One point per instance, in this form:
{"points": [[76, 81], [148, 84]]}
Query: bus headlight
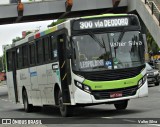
{"points": [[87, 89], [142, 81], [83, 87], [79, 85]]}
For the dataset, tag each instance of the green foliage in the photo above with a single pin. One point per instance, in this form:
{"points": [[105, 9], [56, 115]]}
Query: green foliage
{"points": [[152, 45], [1, 67], [57, 22], [20, 38], [28, 32], [16, 39], [2, 63]]}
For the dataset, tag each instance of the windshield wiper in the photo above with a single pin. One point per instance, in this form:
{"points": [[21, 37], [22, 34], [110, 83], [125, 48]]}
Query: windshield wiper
{"points": [[95, 38], [119, 39]]}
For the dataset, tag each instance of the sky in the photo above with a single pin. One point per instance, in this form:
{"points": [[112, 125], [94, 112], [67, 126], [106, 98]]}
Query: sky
{"points": [[11, 31]]}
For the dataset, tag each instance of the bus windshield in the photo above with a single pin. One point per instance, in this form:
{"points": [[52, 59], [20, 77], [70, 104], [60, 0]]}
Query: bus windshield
{"points": [[106, 51]]}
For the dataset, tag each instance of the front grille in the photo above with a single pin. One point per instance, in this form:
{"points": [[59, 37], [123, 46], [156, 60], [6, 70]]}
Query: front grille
{"points": [[109, 75], [105, 94]]}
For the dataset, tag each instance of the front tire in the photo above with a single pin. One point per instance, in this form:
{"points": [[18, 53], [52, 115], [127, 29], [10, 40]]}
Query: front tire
{"points": [[121, 105], [27, 107], [157, 84], [65, 110]]}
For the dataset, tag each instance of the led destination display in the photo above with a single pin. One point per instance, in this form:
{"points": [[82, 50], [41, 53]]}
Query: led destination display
{"points": [[100, 23]]}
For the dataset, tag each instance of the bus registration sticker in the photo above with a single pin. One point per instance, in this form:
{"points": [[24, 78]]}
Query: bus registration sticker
{"points": [[116, 94]]}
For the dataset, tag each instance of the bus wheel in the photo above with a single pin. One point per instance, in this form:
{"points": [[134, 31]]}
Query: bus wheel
{"points": [[157, 84], [27, 107], [121, 106], [37, 108], [65, 110]]}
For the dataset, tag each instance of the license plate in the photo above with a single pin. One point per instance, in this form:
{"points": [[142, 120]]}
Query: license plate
{"points": [[116, 94]]}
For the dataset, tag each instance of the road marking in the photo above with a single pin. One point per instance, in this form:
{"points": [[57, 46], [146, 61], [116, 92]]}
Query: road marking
{"points": [[3, 87], [129, 120], [108, 117], [3, 99], [155, 125]]}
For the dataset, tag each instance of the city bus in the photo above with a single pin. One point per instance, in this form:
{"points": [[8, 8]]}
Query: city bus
{"points": [[80, 62]]}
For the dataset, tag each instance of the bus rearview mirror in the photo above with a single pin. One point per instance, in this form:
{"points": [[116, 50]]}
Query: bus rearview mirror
{"points": [[69, 53]]}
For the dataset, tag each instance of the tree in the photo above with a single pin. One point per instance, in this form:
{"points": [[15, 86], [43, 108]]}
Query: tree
{"points": [[1, 66], [57, 22], [20, 38], [16, 39], [152, 45]]}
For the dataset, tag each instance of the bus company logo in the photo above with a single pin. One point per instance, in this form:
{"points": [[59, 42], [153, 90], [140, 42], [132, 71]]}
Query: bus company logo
{"points": [[6, 121], [128, 82]]}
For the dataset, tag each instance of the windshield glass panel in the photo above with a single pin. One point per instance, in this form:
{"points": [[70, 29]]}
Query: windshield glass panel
{"points": [[127, 52], [105, 51]]}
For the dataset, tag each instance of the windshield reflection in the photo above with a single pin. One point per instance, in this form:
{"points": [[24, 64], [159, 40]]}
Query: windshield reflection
{"points": [[107, 51]]}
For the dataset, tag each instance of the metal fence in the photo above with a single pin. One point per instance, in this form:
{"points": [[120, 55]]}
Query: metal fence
{"points": [[155, 10]]}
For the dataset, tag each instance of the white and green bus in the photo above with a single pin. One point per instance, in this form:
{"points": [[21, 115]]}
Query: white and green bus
{"points": [[80, 62]]}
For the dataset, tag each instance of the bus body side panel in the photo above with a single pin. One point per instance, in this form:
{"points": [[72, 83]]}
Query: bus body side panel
{"points": [[23, 79], [42, 83], [34, 93], [10, 85], [34, 85], [53, 77], [33, 78]]}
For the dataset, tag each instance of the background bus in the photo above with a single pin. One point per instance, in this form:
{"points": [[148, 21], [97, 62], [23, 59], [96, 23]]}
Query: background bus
{"points": [[84, 61]]}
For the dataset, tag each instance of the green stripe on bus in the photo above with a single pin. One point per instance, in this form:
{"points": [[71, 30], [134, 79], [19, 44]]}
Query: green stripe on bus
{"points": [[51, 30], [104, 15], [105, 85]]}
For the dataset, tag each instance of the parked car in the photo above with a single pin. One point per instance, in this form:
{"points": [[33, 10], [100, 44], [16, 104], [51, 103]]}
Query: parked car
{"points": [[2, 76], [153, 75]]}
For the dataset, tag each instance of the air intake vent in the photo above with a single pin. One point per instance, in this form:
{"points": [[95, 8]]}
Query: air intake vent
{"points": [[110, 75]]}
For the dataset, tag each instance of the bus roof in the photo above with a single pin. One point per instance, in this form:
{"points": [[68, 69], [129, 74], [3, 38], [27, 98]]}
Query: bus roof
{"points": [[37, 35], [103, 15]]}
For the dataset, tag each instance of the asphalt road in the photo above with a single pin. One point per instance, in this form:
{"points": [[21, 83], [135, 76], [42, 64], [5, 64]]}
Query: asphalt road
{"points": [[94, 116]]}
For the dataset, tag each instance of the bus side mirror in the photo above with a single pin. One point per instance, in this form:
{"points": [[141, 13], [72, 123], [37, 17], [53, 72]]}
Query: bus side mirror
{"points": [[69, 53]]}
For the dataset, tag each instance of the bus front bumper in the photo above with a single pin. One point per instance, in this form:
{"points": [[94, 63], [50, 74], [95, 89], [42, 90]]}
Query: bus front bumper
{"points": [[82, 97]]}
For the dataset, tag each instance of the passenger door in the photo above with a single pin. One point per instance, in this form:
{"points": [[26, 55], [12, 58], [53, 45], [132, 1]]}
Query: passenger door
{"points": [[14, 58], [64, 65]]}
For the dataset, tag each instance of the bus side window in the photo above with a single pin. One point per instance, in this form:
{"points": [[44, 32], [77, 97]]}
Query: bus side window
{"points": [[54, 48], [25, 55], [9, 60], [32, 54], [19, 57], [46, 49], [40, 53]]}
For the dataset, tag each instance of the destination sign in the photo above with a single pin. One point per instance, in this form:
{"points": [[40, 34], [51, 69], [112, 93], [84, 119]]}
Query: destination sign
{"points": [[100, 23]]}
